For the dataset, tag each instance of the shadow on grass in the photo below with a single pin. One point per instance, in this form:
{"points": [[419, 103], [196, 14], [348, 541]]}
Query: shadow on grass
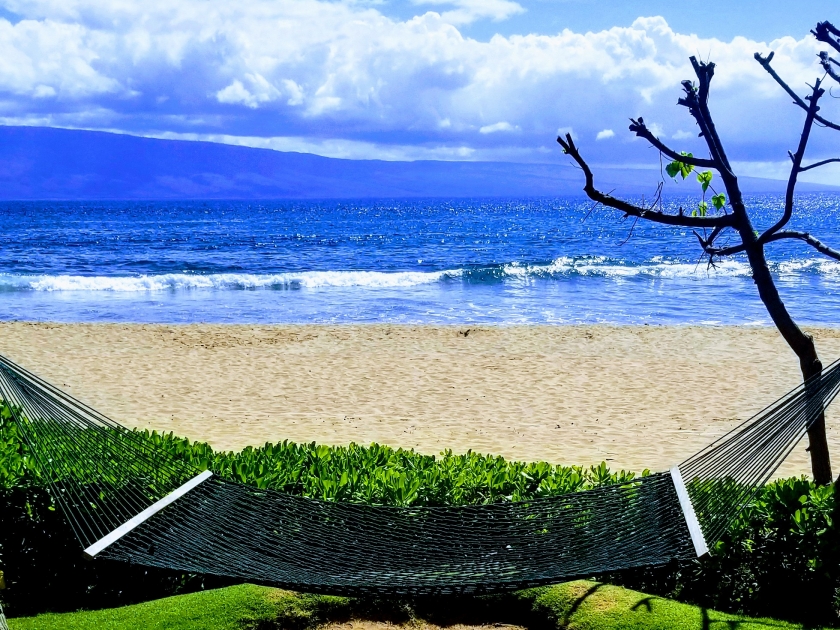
{"points": [[578, 602], [656, 607]]}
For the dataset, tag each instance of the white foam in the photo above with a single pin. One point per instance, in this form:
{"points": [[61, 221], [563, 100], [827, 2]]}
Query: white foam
{"points": [[820, 266], [176, 281], [564, 266], [605, 267]]}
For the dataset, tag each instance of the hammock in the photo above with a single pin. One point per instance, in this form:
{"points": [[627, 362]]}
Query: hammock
{"points": [[129, 501]]}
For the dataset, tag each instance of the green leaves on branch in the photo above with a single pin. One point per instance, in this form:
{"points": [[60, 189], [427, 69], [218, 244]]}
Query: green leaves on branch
{"points": [[679, 168], [674, 168], [705, 179]]}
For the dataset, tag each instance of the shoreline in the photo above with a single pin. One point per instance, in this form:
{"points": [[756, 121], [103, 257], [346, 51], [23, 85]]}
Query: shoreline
{"points": [[634, 396]]}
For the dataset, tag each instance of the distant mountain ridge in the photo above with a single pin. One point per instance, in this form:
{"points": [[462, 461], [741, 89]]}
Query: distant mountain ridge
{"points": [[60, 164]]}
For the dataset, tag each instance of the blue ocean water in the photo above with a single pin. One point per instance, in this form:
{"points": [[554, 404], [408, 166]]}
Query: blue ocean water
{"points": [[459, 262]]}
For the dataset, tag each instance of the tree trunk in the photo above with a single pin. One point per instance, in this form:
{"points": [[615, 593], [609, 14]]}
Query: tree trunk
{"points": [[817, 439], [801, 343]]}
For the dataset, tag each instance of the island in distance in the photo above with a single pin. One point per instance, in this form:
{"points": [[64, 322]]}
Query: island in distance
{"points": [[49, 163]]}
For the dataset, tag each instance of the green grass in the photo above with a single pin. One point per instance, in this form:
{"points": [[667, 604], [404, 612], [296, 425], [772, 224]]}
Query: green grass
{"points": [[233, 608], [580, 605], [586, 605]]}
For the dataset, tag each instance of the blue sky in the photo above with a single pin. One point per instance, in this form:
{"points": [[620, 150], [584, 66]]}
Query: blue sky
{"points": [[413, 79]]}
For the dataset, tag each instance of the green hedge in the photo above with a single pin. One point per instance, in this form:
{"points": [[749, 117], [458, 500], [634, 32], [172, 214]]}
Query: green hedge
{"points": [[363, 474], [783, 548]]}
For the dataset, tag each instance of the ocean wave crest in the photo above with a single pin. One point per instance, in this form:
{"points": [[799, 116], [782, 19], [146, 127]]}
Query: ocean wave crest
{"points": [[601, 266], [221, 281], [560, 268]]}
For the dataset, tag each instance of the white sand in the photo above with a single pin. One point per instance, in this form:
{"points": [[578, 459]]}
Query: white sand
{"points": [[637, 397]]}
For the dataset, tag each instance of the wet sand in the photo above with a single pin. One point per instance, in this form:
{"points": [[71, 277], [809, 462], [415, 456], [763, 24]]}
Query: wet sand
{"points": [[635, 396]]}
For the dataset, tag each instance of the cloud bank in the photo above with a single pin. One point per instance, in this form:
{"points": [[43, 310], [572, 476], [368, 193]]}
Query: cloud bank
{"points": [[315, 74]]}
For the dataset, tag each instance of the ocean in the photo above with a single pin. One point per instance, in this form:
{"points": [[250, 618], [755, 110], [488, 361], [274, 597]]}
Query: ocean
{"points": [[465, 262]]}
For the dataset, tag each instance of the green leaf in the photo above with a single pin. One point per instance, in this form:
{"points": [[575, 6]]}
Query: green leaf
{"points": [[702, 208], [679, 167], [685, 169], [705, 179], [719, 200]]}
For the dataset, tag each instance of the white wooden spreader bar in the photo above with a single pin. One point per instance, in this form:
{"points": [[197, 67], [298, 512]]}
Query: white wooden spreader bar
{"points": [[145, 515], [688, 511]]}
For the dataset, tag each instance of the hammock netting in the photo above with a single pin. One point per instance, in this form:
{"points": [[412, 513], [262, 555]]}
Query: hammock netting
{"points": [[129, 501]]}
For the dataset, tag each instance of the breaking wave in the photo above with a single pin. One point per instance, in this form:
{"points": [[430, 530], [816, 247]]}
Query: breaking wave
{"points": [[558, 269]]}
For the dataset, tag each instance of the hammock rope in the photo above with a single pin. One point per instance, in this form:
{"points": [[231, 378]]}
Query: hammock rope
{"points": [[129, 501]]}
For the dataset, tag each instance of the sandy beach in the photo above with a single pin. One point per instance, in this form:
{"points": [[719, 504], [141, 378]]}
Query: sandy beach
{"points": [[637, 397]]}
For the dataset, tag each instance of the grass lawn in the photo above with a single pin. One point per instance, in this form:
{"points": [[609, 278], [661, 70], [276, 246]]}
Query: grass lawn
{"points": [[577, 605]]}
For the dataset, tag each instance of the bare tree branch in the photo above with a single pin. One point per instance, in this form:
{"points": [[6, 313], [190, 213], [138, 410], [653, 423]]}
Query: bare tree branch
{"points": [[693, 101], [708, 244], [828, 65], [796, 167], [696, 99], [721, 251], [714, 234], [824, 31], [640, 129], [807, 238], [778, 236], [765, 63], [802, 169], [631, 210], [827, 33]]}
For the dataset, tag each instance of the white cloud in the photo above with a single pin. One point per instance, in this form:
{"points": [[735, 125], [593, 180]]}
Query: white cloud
{"points": [[468, 11], [605, 134], [499, 126], [656, 129], [261, 92], [344, 149], [294, 91], [43, 91], [39, 56], [236, 93], [257, 68]]}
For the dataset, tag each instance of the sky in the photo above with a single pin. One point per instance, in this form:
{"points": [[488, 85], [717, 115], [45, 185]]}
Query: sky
{"points": [[417, 79]]}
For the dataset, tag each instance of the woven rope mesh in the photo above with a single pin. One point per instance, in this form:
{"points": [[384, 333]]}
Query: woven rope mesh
{"points": [[234, 530], [103, 475]]}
